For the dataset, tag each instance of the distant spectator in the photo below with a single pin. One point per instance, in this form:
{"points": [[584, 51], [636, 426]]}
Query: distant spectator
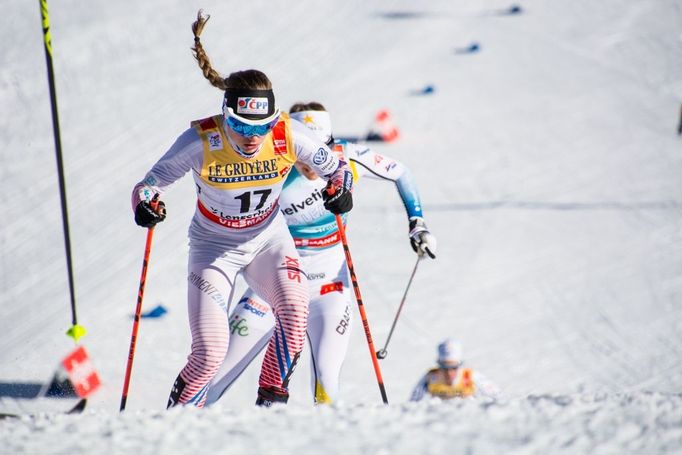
{"points": [[679, 127], [450, 379]]}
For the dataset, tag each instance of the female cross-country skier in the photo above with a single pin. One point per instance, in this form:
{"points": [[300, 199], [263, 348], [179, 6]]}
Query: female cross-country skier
{"points": [[450, 379], [239, 161], [316, 235]]}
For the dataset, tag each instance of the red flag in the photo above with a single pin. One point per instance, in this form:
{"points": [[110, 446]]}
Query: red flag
{"points": [[81, 372]]}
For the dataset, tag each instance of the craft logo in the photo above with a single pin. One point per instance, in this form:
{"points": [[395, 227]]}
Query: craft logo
{"points": [[320, 156], [293, 268], [343, 323], [252, 105], [215, 142]]}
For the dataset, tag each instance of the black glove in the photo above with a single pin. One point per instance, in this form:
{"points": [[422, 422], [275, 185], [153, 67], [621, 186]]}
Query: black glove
{"points": [[337, 200], [421, 239], [146, 216]]}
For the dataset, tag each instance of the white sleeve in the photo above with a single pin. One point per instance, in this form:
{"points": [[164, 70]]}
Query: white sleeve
{"points": [[185, 154], [419, 390], [311, 151], [373, 165]]}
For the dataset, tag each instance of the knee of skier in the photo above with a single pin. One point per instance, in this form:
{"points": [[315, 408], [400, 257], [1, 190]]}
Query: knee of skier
{"points": [[209, 360]]}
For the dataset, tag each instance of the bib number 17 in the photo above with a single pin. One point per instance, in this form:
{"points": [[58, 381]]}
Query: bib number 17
{"points": [[245, 199]]}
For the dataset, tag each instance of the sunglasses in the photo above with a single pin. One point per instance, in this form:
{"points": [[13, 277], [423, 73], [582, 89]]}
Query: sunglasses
{"points": [[252, 128], [246, 130]]}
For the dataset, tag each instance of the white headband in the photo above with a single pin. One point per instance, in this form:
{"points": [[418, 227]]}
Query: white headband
{"points": [[318, 121]]}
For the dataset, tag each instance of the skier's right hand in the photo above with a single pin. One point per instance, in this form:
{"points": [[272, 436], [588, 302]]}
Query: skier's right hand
{"points": [[337, 200], [148, 214], [338, 196]]}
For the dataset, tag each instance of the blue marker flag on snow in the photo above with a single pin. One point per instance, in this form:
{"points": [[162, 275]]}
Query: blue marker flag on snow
{"points": [[155, 312], [470, 49], [515, 9]]}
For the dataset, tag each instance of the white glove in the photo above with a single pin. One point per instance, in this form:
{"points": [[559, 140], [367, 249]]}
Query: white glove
{"points": [[421, 239]]}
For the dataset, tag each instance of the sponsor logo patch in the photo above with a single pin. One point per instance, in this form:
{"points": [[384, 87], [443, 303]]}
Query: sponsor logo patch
{"points": [[293, 268], [252, 105], [238, 326], [343, 323], [150, 180], [207, 124], [146, 195], [254, 307], [242, 171], [280, 146], [320, 156], [207, 288], [215, 142], [316, 276], [331, 287]]}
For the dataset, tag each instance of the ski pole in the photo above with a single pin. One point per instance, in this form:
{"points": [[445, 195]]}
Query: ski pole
{"points": [[138, 310], [361, 307], [76, 331], [382, 353]]}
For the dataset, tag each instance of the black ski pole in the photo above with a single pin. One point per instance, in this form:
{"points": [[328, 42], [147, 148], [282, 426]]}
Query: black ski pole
{"points": [[382, 353], [76, 331]]}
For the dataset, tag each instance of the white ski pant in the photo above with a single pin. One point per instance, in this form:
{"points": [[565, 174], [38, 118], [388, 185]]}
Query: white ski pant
{"points": [[270, 264], [252, 323]]}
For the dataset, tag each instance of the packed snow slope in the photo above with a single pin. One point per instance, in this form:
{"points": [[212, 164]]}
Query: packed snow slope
{"points": [[548, 163]]}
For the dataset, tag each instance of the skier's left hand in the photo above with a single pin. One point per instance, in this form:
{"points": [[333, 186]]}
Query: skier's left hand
{"points": [[421, 239]]}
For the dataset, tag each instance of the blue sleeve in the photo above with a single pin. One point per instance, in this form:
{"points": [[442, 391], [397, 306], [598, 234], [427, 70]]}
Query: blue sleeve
{"points": [[407, 188]]}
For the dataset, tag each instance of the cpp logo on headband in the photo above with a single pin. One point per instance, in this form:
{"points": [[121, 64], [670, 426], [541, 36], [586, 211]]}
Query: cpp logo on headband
{"points": [[252, 105]]}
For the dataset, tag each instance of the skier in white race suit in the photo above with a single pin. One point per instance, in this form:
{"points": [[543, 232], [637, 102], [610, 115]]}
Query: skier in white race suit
{"points": [[239, 160], [315, 233]]}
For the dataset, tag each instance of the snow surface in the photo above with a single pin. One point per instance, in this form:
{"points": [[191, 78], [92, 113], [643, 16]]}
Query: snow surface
{"points": [[550, 171]]}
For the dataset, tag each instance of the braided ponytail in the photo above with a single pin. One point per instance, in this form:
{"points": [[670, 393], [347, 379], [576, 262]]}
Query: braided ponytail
{"points": [[247, 79], [200, 54]]}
